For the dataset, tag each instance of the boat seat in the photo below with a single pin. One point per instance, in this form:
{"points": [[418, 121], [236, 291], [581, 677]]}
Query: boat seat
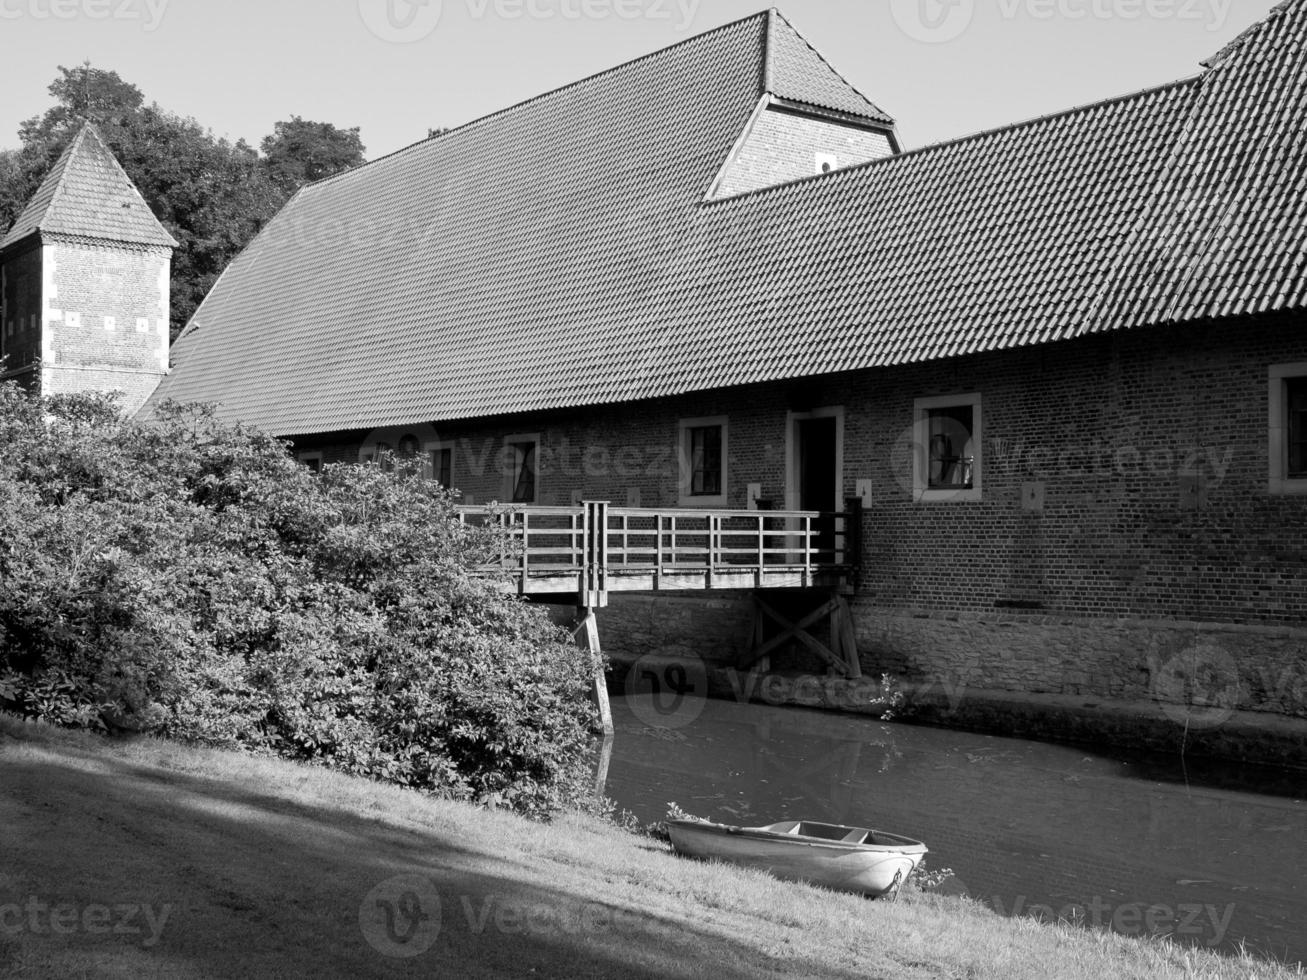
{"points": [[856, 836]]}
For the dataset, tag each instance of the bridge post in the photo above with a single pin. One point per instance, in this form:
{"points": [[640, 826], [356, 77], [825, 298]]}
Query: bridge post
{"points": [[587, 637]]}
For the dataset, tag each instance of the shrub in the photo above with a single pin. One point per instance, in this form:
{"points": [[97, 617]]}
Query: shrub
{"points": [[187, 578]]}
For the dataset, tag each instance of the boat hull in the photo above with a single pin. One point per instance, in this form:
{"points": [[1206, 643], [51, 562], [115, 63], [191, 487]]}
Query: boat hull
{"points": [[875, 867]]}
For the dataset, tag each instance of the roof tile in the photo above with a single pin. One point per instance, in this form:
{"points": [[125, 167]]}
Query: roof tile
{"points": [[560, 254], [87, 194]]}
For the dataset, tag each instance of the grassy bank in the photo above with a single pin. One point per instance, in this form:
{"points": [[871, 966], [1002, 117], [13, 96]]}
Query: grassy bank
{"points": [[150, 859]]}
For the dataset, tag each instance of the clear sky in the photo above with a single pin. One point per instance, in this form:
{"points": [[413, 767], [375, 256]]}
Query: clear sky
{"points": [[394, 68]]}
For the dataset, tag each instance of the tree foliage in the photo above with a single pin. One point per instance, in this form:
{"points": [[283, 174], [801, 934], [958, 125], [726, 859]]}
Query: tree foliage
{"points": [[300, 152], [189, 579], [211, 194]]}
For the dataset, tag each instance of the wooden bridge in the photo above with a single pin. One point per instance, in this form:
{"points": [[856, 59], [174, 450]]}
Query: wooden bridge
{"points": [[594, 549], [580, 555]]}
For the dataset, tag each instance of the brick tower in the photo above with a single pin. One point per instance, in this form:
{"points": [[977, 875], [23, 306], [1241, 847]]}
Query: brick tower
{"points": [[84, 282]]}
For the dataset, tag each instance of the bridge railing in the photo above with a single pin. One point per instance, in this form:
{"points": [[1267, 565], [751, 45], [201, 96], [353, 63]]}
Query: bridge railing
{"points": [[595, 540]]}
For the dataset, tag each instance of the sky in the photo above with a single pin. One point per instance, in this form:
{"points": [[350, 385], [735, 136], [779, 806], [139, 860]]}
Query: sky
{"points": [[395, 68]]}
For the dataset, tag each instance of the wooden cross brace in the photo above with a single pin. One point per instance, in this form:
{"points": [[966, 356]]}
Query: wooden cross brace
{"points": [[798, 631]]}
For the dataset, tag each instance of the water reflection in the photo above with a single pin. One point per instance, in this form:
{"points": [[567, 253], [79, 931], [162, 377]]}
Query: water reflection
{"points": [[1028, 828]]}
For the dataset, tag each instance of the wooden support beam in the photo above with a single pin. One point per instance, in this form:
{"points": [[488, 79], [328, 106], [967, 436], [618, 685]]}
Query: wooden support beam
{"points": [[796, 631], [850, 640], [587, 637], [605, 763]]}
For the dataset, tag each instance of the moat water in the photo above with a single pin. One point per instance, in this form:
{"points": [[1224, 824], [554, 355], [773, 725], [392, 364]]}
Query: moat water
{"points": [[1213, 855]]}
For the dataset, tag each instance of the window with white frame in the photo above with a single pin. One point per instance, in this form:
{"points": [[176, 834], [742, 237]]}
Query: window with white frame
{"points": [[1288, 428], [948, 459], [702, 454], [521, 457]]}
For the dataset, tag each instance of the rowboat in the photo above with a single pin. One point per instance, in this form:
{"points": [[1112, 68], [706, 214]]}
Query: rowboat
{"points": [[850, 859]]}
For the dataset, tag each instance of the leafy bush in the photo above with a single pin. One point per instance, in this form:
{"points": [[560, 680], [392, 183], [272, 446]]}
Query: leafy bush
{"points": [[187, 578]]}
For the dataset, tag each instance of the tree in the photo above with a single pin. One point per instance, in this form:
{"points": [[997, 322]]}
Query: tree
{"points": [[300, 152], [211, 194], [187, 578]]}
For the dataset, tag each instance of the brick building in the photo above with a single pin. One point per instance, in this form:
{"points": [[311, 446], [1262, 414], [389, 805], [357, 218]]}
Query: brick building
{"points": [[1062, 363], [84, 283]]}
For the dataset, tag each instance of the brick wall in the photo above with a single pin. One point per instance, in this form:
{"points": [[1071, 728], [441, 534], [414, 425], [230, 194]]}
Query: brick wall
{"points": [[94, 316], [108, 320], [1121, 570], [783, 146]]}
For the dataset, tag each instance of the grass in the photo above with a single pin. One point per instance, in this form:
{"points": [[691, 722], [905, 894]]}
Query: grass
{"points": [[240, 866]]}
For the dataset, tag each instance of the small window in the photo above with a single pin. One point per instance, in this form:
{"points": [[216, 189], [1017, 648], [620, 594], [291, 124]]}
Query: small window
{"points": [[1295, 392], [947, 461], [703, 462], [313, 461], [442, 463], [952, 452], [522, 459], [1288, 428], [827, 162], [706, 461]]}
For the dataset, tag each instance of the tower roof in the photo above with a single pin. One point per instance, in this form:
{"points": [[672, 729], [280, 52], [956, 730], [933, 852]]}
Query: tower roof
{"points": [[87, 194]]}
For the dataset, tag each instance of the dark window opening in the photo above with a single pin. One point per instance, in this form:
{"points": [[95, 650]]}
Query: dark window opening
{"points": [[442, 467], [706, 461], [1295, 390], [524, 476], [952, 455]]}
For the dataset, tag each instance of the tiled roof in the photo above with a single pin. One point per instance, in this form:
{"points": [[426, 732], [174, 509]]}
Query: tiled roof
{"points": [[88, 195], [797, 71], [560, 254]]}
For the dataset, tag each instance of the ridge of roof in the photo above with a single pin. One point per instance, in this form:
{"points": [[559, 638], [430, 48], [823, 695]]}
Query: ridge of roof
{"points": [[1219, 59], [541, 96], [776, 17], [497, 294], [93, 209], [956, 141]]}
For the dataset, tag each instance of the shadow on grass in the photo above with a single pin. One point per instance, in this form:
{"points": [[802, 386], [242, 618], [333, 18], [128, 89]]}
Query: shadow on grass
{"points": [[257, 884]]}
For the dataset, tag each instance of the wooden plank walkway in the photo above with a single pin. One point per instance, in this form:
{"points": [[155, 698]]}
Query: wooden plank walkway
{"points": [[595, 549]]}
